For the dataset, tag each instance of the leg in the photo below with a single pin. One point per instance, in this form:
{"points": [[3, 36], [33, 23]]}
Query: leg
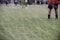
{"points": [[56, 10], [16, 3], [26, 4], [49, 13], [56, 14], [6, 3], [23, 6]]}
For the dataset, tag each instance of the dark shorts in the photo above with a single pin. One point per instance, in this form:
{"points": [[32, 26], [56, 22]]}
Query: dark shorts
{"points": [[6, 2], [15, 2], [55, 6], [0, 2]]}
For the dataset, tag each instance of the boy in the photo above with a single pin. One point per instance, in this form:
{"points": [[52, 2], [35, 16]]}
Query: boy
{"points": [[6, 1], [53, 4], [22, 3], [26, 1]]}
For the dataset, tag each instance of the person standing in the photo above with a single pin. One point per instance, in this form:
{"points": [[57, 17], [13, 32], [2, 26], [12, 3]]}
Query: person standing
{"points": [[53, 4], [15, 2], [26, 2], [6, 2], [22, 3]]}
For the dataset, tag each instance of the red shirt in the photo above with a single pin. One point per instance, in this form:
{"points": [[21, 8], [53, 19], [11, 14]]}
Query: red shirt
{"points": [[53, 1]]}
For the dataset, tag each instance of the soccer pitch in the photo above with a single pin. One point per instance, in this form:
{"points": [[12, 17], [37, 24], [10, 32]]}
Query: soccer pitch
{"points": [[29, 23]]}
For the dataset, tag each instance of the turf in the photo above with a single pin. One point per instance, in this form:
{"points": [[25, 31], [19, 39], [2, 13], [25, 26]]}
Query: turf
{"points": [[28, 23]]}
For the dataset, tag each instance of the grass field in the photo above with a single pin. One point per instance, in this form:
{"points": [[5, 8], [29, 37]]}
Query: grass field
{"points": [[29, 23]]}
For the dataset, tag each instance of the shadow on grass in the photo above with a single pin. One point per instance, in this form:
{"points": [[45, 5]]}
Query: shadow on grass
{"points": [[58, 36], [2, 36]]}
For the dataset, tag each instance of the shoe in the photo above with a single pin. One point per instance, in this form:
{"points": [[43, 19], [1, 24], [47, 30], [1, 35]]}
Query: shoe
{"points": [[48, 16], [56, 16]]}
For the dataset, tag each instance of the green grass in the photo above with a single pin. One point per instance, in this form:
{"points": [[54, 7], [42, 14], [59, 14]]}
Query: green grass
{"points": [[29, 23]]}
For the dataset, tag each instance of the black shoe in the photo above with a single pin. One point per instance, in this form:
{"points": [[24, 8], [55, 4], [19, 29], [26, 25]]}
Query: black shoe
{"points": [[56, 16], [48, 16]]}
